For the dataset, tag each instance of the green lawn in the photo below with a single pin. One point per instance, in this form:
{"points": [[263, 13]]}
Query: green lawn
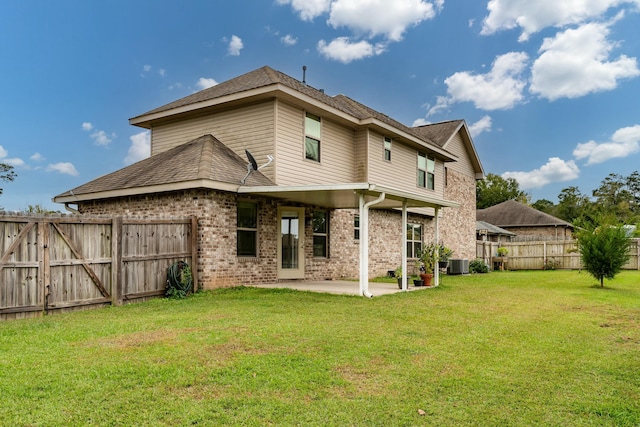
{"points": [[501, 349]]}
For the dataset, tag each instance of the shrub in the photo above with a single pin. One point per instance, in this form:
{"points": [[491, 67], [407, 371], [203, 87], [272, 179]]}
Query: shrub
{"points": [[478, 266], [179, 280], [604, 248], [551, 264]]}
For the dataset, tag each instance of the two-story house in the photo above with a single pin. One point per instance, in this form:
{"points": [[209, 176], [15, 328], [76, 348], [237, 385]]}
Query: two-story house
{"points": [[350, 191]]}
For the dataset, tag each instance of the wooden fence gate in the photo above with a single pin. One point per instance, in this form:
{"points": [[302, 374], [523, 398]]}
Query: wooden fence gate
{"points": [[53, 264]]}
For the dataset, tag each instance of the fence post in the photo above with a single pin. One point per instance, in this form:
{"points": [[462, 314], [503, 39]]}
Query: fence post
{"points": [[116, 261], [44, 268]]}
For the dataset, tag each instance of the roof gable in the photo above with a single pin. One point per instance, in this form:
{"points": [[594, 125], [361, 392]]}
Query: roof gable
{"points": [[515, 214], [204, 158]]}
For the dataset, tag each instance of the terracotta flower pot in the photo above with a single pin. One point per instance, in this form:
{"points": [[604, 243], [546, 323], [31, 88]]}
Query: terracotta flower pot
{"points": [[427, 278]]}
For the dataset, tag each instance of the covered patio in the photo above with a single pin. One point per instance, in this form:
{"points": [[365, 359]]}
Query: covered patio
{"points": [[362, 196], [341, 287]]}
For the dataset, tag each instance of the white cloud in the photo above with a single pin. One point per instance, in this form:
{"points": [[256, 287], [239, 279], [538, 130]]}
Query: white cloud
{"points": [[482, 125], [289, 40], [146, 68], [65, 168], [575, 63], [499, 89], [533, 16], [235, 46], [420, 122], [380, 17], [37, 157], [308, 9], [101, 138], [555, 170], [162, 72], [140, 147], [624, 142], [15, 162], [345, 51], [204, 83]]}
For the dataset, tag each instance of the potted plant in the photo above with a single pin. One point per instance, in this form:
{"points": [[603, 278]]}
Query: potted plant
{"points": [[444, 253], [501, 260], [427, 259], [398, 274]]}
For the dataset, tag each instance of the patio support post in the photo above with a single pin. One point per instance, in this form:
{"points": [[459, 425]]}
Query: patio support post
{"points": [[405, 271], [364, 243], [436, 269]]}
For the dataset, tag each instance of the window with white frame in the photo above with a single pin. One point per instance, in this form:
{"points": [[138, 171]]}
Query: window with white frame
{"points": [[320, 233], [356, 227], [312, 137], [414, 240], [426, 171], [247, 229], [387, 148]]}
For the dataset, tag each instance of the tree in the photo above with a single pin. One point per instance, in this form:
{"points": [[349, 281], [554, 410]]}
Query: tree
{"points": [[495, 189], [6, 173], [612, 196], [544, 205], [604, 247], [572, 204], [39, 209]]}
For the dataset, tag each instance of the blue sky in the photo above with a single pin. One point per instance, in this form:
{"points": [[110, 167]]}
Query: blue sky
{"points": [[550, 89]]}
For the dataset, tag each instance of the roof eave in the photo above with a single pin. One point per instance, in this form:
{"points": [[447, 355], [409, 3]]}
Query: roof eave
{"points": [[442, 154], [152, 189]]}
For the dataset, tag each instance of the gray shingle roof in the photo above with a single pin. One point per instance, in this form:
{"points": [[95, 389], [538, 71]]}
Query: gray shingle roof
{"points": [[438, 133], [516, 214], [492, 229], [204, 158], [266, 76]]}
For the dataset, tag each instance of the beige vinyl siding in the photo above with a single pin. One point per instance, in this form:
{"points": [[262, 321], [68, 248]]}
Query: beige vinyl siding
{"points": [[402, 171], [337, 160], [361, 155], [248, 128], [463, 165]]}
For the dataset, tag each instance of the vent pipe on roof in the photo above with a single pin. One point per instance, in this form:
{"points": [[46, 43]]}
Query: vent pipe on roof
{"points": [[304, 74]]}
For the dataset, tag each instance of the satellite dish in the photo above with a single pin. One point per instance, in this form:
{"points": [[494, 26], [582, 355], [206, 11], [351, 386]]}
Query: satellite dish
{"points": [[253, 165]]}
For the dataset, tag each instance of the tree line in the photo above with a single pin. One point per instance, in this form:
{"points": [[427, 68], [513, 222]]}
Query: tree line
{"points": [[618, 196]]}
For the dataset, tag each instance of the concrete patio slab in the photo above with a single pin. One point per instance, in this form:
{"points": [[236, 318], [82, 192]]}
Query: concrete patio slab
{"points": [[343, 287]]}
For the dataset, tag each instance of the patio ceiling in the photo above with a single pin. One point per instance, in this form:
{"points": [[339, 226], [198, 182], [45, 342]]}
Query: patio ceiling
{"points": [[346, 196]]}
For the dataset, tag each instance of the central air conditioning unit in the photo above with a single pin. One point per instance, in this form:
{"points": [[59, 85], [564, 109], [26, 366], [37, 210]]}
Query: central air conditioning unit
{"points": [[458, 266]]}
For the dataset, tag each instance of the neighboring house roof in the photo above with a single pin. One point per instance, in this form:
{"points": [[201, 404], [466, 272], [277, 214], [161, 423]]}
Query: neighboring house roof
{"points": [[491, 229], [202, 162], [516, 214]]}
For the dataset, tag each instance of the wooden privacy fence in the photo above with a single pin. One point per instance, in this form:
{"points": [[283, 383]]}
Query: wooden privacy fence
{"points": [[562, 254], [50, 264]]}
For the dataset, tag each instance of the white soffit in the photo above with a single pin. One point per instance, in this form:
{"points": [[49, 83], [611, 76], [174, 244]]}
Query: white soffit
{"points": [[345, 196]]}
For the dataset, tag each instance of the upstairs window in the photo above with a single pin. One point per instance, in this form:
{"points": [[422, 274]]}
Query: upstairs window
{"points": [[426, 171], [387, 148], [320, 234], [312, 137], [247, 229]]}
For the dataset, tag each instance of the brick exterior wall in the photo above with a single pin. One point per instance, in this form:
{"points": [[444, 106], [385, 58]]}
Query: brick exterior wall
{"points": [[457, 226], [218, 265], [543, 232]]}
